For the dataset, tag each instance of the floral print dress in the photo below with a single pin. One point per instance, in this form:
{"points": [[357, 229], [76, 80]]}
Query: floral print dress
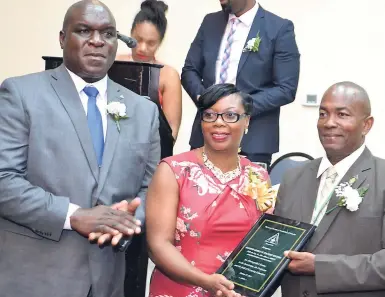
{"points": [[212, 219]]}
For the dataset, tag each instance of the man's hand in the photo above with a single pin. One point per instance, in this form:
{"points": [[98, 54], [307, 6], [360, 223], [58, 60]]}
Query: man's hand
{"points": [[301, 262], [128, 207], [103, 219]]}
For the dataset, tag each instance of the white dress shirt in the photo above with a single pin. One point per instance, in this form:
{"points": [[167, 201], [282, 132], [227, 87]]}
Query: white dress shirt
{"points": [[101, 103], [239, 41], [341, 168]]}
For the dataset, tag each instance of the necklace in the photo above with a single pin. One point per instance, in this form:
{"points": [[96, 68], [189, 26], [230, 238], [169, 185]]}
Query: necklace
{"points": [[223, 177]]}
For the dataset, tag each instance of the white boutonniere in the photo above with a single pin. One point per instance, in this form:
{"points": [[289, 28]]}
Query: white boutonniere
{"points": [[118, 111], [253, 44], [348, 196]]}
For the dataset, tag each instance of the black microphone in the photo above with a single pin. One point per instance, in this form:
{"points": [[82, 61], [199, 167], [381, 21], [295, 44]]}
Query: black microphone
{"points": [[123, 244], [129, 41]]}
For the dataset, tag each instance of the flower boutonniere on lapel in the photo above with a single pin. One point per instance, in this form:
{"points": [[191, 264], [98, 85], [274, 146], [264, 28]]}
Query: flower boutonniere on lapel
{"points": [[253, 44], [349, 197], [118, 111], [259, 190]]}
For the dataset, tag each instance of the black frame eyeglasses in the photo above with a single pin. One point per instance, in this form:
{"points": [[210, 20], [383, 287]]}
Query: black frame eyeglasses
{"points": [[227, 117]]}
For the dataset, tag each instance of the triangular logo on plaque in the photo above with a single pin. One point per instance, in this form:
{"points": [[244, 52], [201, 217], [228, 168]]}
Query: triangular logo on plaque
{"points": [[273, 239]]}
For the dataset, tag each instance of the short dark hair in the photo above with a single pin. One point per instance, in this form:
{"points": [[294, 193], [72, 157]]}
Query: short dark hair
{"points": [[154, 12], [216, 92]]}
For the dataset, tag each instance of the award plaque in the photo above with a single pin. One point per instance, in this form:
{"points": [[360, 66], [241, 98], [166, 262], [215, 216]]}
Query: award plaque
{"points": [[257, 264]]}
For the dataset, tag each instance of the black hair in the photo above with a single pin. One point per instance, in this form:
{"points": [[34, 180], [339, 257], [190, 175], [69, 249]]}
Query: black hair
{"points": [[216, 92], [154, 12]]}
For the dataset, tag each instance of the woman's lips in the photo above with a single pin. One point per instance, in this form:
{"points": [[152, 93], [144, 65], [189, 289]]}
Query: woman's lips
{"points": [[220, 137], [142, 57]]}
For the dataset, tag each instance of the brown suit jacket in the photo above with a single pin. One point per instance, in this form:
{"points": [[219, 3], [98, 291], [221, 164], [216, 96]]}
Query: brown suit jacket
{"points": [[349, 246]]}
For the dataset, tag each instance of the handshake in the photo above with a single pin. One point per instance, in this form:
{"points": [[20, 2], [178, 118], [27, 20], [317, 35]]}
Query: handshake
{"points": [[107, 224]]}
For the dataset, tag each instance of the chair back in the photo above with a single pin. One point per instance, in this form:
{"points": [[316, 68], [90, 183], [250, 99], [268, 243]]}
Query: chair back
{"points": [[285, 162]]}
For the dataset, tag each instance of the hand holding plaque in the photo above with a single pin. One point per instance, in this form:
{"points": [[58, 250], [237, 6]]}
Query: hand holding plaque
{"points": [[257, 264], [218, 285], [301, 262]]}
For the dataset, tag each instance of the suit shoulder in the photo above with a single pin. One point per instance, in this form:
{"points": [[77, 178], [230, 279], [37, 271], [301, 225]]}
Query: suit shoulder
{"points": [[304, 168], [213, 16], [380, 163], [28, 85], [276, 18], [28, 78], [276, 22], [138, 101]]}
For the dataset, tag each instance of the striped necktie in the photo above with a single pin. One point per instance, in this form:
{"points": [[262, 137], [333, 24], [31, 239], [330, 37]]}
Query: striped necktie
{"points": [[226, 56], [324, 196]]}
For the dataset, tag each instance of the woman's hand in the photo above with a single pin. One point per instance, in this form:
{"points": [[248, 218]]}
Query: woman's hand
{"points": [[219, 286]]}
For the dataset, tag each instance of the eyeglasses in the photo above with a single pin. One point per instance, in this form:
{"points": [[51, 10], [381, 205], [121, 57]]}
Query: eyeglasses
{"points": [[228, 117]]}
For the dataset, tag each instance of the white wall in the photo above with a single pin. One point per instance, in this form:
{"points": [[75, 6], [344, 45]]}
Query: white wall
{"points": [[338, 40]]}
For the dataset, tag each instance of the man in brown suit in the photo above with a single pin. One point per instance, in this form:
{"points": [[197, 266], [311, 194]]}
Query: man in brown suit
{"points": [[346, 255]]}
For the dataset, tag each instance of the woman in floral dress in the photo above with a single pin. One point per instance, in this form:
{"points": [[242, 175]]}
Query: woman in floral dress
{"points": [[201, 203]]}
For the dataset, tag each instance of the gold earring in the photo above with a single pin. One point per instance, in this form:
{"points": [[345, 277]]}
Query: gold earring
{"points": [[246, 130], [239, 150]]}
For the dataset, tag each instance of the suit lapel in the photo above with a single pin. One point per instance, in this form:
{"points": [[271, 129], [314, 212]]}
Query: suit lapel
{"points": [[361, 168], [217, 33], [114, 93], [112, 135], [309, 198], [257, 26], [69, 97]]}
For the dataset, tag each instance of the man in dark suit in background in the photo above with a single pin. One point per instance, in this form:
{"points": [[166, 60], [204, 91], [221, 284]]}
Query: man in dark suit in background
{"points": [[256, 50]]}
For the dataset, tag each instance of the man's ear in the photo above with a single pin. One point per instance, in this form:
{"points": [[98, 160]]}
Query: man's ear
{"points": [[61, 38], [368, 122]]}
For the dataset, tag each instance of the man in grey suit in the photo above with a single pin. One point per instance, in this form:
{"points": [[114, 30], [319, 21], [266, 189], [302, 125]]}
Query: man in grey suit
{"points": [[346, 255], [65, 159]]}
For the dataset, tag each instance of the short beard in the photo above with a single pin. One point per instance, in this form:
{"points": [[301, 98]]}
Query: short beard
{"points": [[227, 8]]}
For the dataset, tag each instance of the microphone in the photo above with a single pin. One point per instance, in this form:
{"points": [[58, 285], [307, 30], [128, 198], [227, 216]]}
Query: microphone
{"points": [[123, 244], [129, 41]]}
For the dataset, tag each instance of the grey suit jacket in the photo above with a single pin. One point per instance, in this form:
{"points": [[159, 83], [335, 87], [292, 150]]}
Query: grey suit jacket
{"points": [[349, 246], [47, 160]]}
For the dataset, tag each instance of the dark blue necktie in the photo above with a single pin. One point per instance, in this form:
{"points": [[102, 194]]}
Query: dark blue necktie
{"points": [[95, 123]]}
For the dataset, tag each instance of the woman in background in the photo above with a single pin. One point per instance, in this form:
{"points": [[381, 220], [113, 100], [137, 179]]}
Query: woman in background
{"points": [[149, 28], [200, 204]]}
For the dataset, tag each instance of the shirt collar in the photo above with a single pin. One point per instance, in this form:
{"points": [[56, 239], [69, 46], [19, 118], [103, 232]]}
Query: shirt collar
{"points": [[248, 17], [342, 166], [80, 84]]}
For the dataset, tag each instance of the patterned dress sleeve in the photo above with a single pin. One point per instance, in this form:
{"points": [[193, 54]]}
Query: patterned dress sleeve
{"points": [[181, 169]]}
